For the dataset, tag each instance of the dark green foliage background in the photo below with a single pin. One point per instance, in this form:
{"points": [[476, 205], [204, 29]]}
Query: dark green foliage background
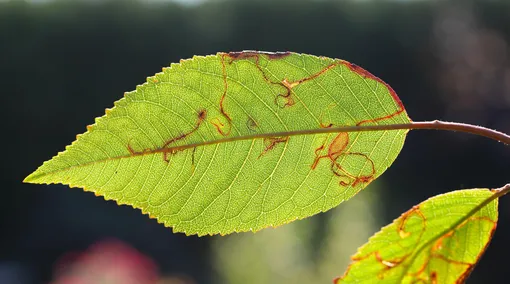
{"points": [[62, 64]]}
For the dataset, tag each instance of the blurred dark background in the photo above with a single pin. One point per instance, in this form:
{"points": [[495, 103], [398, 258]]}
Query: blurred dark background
{"points": [[63, 62]]}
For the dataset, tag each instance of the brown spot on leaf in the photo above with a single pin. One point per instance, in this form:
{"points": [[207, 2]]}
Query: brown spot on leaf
{"points": [[388, 263], [220, 127], [286, 100], [251, 124], [171, 152], [438, 245], [282, 99], [270, 143], [239, 55], [337, 150], [433, 277], [222, 109], [336, 147], [313, 76], [277, 55], [236, 55], [201, 116], [131, 150], [406, 217]]}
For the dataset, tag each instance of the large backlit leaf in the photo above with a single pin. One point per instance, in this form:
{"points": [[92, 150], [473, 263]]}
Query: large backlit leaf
{"points": [[188, 146], [437, 241]]}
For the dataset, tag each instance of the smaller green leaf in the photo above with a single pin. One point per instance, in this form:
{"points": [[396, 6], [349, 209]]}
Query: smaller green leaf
{"points": [[438, 241]]}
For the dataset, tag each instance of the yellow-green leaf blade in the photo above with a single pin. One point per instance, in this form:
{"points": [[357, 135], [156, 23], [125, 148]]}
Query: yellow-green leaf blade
{"points": [[438, 241], [191, 148]]}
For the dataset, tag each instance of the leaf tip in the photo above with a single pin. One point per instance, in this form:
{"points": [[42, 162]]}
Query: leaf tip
{"points": [[30, 178], [34, 177]]}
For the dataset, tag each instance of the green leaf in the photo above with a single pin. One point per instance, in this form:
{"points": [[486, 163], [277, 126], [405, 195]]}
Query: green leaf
{"points": [[438, 241], [225, 143]]}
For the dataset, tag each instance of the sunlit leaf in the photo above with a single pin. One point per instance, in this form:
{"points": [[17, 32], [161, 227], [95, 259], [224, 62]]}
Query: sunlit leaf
{"points": [[199, 146], [438, 241]]}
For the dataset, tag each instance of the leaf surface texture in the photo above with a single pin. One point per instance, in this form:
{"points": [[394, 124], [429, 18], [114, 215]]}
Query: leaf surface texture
{"points": [[194, 145]]}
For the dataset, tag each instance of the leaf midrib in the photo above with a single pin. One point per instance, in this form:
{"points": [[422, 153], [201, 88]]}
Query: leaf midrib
{"points": [[387, 127]]}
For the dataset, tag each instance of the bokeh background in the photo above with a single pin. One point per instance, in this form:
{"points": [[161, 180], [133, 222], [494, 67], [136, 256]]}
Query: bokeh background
{"points": [[63, 62]]}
